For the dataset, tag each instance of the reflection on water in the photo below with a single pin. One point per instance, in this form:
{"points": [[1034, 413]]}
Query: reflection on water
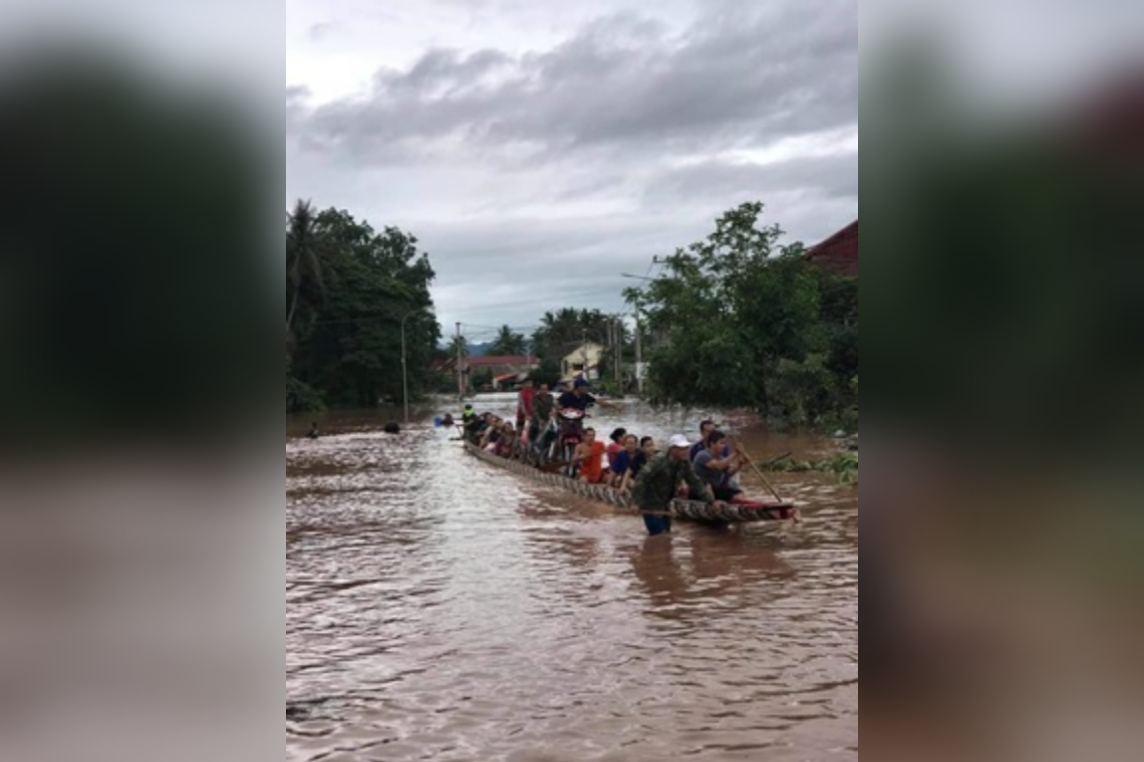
{"points": [[440, 608]]}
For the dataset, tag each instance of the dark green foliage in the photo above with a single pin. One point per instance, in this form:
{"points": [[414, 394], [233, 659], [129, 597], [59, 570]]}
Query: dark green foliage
{"points": [[345, 332], [547, 373], [562, 331], [301, 397], [566, 329], [738, 320], [844, 465], [507, 343]]}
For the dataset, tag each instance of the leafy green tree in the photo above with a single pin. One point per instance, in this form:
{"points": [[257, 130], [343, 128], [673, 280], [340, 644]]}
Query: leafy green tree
{"points": [[548, 372], [375, 282], [306, 252], [451, 352], [737, 319]]}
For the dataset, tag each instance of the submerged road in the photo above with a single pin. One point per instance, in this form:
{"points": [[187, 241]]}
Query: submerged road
{"points": [[439, 608]]}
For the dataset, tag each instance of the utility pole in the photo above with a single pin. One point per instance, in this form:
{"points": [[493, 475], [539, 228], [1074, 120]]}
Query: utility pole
{"points": [[639, 354], [584, 351], [619, 331], [460, 378], [639, 338]]}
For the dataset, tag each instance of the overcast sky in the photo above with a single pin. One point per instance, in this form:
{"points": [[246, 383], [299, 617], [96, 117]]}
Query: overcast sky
{"points": [[540, 149]]}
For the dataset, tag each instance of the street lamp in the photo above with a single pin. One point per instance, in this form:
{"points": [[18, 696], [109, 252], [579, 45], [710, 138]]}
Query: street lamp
{"points": [[404, 374], [639, 348]]}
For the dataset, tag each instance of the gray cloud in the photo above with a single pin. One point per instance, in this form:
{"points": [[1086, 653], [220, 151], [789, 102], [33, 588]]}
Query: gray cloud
{"points": [[735, 75], [834, 176], [534, 179], [320, 31]]}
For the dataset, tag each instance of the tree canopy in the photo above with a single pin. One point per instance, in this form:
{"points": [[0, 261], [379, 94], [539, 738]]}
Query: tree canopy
{"points": [[350, 289], [736, 319], [508, 342]]}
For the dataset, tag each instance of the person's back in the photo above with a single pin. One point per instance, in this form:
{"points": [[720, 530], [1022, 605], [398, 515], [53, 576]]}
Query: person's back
{"points": [[656, 480], [542, 403], [524, 404]]}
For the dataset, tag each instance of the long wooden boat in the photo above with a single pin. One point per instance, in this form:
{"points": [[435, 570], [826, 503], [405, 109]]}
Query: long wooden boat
{"points": [[696, 510]]}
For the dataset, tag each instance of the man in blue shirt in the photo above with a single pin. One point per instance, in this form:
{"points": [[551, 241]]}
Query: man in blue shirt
{"points": [[705, 429], [578, 397], [716, 470]]}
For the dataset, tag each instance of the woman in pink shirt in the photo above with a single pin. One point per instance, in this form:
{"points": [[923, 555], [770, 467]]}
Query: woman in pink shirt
{"points": [[617, 444]]}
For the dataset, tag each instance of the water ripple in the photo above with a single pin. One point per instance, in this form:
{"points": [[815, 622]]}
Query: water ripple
{"points": [[439, 608]]}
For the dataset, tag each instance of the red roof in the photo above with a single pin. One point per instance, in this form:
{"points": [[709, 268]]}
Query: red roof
{"points": [[502, 360], [839, 252]]}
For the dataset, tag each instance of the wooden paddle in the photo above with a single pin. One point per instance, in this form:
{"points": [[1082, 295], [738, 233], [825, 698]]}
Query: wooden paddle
{"points": [[747, 458]]}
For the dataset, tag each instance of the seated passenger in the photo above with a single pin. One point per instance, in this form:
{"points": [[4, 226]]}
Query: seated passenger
{"points": [[620, 461], [506, 442], [639, 460], [716, 470], [617, 443], [589, 456]]}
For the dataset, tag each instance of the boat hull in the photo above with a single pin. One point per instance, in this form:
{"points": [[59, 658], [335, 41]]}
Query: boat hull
{"points": [[695, 510]]}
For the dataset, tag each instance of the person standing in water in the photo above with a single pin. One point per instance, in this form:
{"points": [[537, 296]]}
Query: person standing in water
{"points": [[659, 480]]}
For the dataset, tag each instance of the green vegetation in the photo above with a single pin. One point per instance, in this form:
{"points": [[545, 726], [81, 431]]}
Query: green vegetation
{"points": [[565, 329], [737, 320], [348, 288], [507, 343], [843, 464]]}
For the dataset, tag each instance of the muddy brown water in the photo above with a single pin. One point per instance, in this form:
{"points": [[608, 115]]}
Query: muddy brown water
{"points": [[439, 608]]}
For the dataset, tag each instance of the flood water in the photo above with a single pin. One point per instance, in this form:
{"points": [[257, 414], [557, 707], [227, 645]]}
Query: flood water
{"points": [[439, 608]]}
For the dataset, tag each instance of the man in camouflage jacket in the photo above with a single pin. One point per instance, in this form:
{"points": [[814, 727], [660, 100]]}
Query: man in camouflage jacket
{"points": [[659, 480]]}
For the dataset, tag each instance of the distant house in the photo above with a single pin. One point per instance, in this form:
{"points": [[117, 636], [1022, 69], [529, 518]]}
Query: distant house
{"points": [[838, 253], [583, 360], [503, 369]]}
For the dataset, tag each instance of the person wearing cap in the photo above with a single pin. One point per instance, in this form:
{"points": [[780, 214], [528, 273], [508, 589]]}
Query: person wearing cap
{"points": [[578, 397], [468, 415], [659, 480]]}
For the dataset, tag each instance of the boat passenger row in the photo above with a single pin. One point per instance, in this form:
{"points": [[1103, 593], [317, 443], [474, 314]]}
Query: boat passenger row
{"points": [[549, 437]]}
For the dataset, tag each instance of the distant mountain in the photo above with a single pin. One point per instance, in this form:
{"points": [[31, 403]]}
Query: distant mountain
{"points": [[475, 350]]}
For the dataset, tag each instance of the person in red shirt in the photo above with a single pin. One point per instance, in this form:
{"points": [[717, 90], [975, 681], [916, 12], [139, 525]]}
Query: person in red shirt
{"points": [[589, 456], [524, 405], [617, 444]]}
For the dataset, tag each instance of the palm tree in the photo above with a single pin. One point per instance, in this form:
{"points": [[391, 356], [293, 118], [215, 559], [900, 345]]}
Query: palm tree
{"points": [[305, 247], [453, 342], [507, 342]]}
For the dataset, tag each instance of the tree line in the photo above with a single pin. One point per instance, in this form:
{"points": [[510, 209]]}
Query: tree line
{"points": [[736, 319], [732, 320], [349, 288]]}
